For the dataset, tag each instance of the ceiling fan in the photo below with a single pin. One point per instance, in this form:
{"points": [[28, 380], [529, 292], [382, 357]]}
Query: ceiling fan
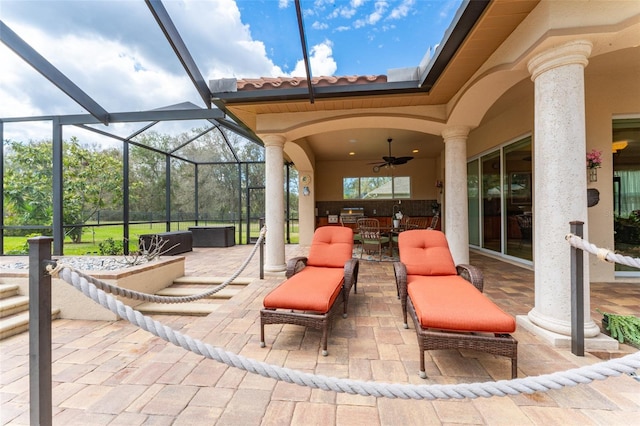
{"points": [[390, 161]]}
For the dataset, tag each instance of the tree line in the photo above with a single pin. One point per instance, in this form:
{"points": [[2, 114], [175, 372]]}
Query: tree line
{"points": [[93, 180]]}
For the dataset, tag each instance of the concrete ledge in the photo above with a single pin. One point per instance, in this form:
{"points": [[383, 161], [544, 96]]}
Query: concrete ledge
{"points": [[193, 309], [147, 278], [602, 342], [212, 280]]}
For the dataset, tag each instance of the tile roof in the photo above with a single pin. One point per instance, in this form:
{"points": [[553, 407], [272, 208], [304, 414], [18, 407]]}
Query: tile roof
{"points": [[270, 83]]}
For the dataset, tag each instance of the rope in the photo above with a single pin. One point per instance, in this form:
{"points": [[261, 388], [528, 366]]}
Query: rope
{"points": [[582, 375], [602, 253], [146, 297]]}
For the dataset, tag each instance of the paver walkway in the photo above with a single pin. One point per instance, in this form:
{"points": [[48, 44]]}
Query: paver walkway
{"points": [[111, 373]]}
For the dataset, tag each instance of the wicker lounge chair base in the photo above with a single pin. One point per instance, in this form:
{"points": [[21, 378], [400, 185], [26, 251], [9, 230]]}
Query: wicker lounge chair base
{"points": [[305, 319], [428, 339]]}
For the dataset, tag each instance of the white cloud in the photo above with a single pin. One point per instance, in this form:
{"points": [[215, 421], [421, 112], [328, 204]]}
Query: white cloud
{"points": [[319, 25], [402, 10], [320, 60]]}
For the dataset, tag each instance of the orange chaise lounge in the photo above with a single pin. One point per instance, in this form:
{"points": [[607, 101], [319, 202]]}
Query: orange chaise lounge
{"points": [[446, 302], [307, 297]]}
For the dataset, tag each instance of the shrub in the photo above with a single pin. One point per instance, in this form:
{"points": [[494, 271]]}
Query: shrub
{"points": [[110, 247]]}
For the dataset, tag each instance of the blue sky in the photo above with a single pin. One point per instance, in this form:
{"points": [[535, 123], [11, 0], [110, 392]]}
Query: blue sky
{"points": [[114, 51], [366, 37]]}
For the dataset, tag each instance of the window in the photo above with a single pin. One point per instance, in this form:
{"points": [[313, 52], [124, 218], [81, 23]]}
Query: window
{"points": [[376, 188]]}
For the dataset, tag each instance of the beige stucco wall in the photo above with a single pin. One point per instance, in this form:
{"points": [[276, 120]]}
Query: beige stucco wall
{"points": [[509, 119], [423, 173]]}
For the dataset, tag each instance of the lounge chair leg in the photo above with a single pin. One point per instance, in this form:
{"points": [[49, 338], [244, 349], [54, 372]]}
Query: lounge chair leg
{"points": [[423, 373], [325, 337]]}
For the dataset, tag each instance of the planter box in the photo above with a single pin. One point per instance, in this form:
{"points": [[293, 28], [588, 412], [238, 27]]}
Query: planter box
{"points": [[213, 236], [182, 240]]}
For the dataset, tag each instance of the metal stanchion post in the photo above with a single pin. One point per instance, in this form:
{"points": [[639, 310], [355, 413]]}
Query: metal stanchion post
{"points": [[40, 406], [262, 251], [577, 293]]}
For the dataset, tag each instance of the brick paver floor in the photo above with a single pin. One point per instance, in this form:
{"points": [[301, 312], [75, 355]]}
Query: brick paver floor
{"points": [[112, 373]]}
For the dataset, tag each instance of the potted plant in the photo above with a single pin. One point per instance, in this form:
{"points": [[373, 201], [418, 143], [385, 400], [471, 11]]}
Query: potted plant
{"points": [[594, 160], [397, 217]]}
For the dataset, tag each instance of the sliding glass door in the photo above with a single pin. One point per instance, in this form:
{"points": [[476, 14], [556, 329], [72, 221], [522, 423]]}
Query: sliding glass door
{"points": [[626, 190], [518, 220], [491, 201], [500, 200]]}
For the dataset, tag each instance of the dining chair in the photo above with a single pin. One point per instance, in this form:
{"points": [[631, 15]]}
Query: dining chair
{"points": [[434, 221], [373, 239], [417, 223]]}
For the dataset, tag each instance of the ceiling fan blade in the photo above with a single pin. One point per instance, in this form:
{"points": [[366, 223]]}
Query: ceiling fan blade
{"points": [[389, 159], [401, 160]]}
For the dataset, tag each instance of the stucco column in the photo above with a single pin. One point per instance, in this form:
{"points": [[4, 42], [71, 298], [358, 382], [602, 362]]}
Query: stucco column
{"points": [[456, 208], [560, 181], [274, 203]]}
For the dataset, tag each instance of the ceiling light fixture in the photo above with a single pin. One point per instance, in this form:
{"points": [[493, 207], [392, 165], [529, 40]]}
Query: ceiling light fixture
{"points": [[619, 146]]}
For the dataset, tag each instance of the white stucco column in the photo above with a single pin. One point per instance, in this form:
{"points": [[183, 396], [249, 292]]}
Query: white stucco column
{"points": [[456, 208], [274, 203], [560, 182]]}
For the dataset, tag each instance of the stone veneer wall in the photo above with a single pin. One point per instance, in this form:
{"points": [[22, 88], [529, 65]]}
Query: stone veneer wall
{"points": [[418, 208]]}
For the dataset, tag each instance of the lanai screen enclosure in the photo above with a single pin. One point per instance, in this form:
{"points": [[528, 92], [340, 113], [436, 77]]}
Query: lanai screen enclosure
{"points": [[177, 164]]}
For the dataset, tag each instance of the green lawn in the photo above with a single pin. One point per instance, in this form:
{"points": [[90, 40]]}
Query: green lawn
{"points": [[93, 236]]}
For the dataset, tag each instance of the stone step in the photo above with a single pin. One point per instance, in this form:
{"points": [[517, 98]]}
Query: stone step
{"points": [[19, 323], [212, 280], [8, 290], [13, 305], [193, 309], [225, 293]]}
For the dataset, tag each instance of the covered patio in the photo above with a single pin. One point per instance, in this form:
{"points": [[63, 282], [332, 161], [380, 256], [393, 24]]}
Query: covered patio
{"points": [[114, 373]]}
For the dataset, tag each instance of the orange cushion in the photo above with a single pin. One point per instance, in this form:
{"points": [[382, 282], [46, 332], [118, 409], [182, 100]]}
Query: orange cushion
{"points": [[425, 252], [331, 247], [453, 303], [312, 289]]}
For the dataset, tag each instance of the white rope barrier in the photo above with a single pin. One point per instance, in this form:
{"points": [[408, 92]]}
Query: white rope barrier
{"points": [[602, 253], [146, 297], [542, 383]]}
